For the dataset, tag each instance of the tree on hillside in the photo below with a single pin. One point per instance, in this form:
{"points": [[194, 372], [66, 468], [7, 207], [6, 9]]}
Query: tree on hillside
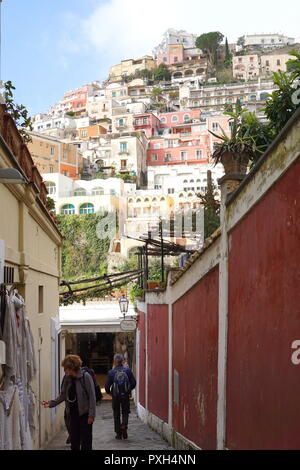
{"points": [[156, 93], [210, 42], [227, 60], [241, 41], [162, 73]]}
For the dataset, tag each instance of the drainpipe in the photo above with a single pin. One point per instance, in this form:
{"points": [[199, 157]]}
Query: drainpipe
{"points": [[228, 184]]}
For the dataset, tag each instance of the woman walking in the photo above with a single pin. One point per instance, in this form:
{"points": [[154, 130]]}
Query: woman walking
{"points": [[78, 392]]}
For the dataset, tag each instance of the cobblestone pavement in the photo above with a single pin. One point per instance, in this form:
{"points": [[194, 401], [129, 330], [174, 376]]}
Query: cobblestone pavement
{"points": [[140, 436]]}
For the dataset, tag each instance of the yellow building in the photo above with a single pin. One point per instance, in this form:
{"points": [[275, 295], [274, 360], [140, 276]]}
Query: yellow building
{"points": [[31, 248], [274, 62], [130, 67], [52, 155]]}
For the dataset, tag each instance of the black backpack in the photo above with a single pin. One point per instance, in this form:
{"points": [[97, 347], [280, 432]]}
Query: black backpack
{"points": [[98, 392]]}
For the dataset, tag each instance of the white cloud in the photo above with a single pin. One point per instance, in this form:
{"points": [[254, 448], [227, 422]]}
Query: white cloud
{"points": [[123, 29]]}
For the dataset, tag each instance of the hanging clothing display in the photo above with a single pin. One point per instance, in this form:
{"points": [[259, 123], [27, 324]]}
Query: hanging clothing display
{"points": [[17, 399]]}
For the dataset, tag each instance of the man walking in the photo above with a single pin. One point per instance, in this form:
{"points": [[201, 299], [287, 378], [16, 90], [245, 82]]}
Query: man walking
{"points": [[119, 383]]}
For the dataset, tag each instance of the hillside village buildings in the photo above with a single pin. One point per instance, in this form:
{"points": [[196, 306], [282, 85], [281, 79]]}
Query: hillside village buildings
{"points": [[154, 136]]}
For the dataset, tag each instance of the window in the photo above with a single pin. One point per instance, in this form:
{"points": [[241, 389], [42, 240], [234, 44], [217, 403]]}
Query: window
{"points": [[267, 63], [114, 94], [51, 187], [123, 147], [51, 169], [183, 156], [65, 155], [165, 59], [278, 62], [86, 209], [215, 126], [167, 157], [154, 157], [251, 59], [162, 199], [156, 146], [84, 133], [196, 103], [163, 120], [41, 299], [120, 122], [198, 153], [186, 117], [240, 60], [80, 192], [171, 191], [123, 165], [68, 209], [174, 119], [253, 97], [207, 101], [52, 150], [97, 191], [113, 192]]}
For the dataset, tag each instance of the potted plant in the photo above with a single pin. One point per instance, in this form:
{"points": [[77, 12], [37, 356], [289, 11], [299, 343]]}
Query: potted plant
{"points": [[235, 151]]}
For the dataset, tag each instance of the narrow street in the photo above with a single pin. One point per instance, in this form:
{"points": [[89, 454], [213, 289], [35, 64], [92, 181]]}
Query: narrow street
{"points": [[140, 436]]}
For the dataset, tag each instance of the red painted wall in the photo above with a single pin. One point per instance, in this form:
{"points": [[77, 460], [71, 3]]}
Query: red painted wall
{"points": [[142, 365], [263, 386], [158, 370], [195, 358]]}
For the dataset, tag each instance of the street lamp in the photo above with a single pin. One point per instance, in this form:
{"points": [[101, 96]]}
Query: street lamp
{"points": [[124, 303], [11, 176]]}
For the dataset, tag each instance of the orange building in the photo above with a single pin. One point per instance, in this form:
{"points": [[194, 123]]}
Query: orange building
{"points": [[88, 132], [52, 155]]}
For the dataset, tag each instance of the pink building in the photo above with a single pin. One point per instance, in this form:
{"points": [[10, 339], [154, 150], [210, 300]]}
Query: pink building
{"points": [[147, 122], [187, 142], [169, 120]]}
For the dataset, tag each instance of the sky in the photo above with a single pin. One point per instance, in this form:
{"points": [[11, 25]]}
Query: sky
{"points": [[52, 46]]}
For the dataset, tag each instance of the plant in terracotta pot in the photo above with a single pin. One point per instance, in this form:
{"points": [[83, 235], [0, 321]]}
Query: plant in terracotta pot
{"points": [[234, 151]]}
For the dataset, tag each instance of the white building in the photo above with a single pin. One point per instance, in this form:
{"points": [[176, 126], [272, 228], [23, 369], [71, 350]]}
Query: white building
{"points": [[216, 96], [173, 36], [267, 40], [59, 127], [84, 197], [172, 179]]}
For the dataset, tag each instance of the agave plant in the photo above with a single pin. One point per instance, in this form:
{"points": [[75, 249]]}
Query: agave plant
{"points": [[239, 146]]}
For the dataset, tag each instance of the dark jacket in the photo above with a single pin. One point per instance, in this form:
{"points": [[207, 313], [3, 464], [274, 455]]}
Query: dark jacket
{"points": [[111, 376], [85, 392]]}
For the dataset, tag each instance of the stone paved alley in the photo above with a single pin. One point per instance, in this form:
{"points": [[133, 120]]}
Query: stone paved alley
{"points": [[140, 436]]}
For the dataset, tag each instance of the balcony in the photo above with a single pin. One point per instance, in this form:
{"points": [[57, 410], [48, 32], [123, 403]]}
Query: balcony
{"points": [[121, 126]]}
